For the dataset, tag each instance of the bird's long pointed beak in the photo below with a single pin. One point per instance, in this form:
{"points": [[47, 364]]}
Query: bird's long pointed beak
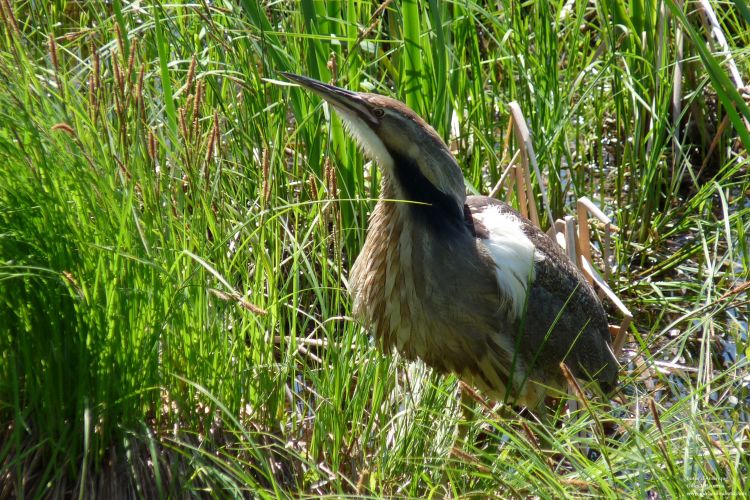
{"points": [[341, 99]]}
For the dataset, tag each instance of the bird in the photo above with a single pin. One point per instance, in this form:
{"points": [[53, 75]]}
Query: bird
{"points": [[464, 283]]}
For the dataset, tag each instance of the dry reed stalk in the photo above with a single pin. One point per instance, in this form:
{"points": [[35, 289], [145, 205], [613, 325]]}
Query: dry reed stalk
{"points": [[523, 137], [505, 175], [575, 387], [374, 21], [234, 296], [333, 67]]}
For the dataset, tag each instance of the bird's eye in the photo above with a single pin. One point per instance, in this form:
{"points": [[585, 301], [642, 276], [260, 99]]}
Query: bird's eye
{"points": [[378, 112]]}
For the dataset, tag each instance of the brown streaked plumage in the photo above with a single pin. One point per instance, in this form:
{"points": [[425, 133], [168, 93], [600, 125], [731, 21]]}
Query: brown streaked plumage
{"points": [[464, 283]]}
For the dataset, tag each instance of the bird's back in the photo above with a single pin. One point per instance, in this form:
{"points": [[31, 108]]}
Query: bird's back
{"points": [[563, 320]]}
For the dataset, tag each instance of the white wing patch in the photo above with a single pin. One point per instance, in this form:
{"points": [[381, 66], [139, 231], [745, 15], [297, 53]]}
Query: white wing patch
{"points": [[513, 253]]}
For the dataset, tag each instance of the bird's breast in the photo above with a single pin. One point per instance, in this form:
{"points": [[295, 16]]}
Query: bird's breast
{"points": [[387, 283], [436, 297], [432, 296]]}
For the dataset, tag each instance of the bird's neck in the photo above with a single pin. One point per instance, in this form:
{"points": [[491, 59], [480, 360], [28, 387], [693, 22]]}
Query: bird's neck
{"points": [[388, 191], [392, 273], [392, 213], [387, 267], [430, 205]]}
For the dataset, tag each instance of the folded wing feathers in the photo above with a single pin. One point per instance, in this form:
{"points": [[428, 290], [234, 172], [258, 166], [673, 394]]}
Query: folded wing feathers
{"points": [[514, 256]]}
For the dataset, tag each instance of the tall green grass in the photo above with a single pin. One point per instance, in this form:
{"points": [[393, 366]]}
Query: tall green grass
{"points": [[176, 232]]}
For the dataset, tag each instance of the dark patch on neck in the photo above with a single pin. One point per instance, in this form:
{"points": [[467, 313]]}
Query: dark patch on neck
{"points": [[439, 210]]}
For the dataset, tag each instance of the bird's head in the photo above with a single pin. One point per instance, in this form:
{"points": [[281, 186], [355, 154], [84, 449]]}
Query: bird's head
{"points": [[405, 147]]}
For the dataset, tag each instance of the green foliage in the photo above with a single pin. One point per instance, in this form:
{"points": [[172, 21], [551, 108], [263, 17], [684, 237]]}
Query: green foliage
{"points": [[176, 231]]}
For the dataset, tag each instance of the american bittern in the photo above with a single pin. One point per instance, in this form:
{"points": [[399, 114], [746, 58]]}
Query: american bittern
{"points": [[464, 283]]}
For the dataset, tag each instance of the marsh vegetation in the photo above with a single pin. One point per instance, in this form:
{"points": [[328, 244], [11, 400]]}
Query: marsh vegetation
{"points": [[176, 232]]}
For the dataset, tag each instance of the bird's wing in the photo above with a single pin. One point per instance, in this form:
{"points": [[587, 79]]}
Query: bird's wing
{"points": [[501, 230], [561, 316]]}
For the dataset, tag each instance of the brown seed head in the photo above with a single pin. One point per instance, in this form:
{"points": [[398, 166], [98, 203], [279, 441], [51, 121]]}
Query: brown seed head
{"points": [[120, 44], [53, 52], [64, 127], [9, 18], [190, 75]]}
